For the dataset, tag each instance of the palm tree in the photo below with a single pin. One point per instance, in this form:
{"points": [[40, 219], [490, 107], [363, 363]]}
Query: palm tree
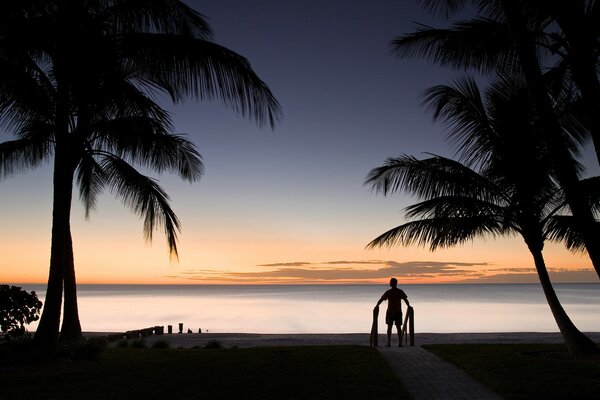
{"points": [[76, 84], [513, 193], [505, 38], [460, 205], [577, 44]]}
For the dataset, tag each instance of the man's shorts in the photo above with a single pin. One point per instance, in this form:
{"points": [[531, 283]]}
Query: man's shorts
{"points": [[392, 318]]}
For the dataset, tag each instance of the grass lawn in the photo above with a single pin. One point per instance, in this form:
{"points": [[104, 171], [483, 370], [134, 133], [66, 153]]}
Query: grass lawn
{"points": [[526, 371], [311, 372]]}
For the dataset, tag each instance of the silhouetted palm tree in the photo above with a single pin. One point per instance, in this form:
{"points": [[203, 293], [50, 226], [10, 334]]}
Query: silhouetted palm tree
{"points": [[76, 80], [460, 205], [514, 192], [508, 36]]}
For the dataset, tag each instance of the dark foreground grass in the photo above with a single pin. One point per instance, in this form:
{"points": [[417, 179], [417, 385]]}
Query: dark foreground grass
{"points": [[312, 372], [526, 371]]}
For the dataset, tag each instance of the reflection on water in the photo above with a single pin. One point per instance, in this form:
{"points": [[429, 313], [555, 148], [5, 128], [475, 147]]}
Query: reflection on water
{"points": [[328, 308]]}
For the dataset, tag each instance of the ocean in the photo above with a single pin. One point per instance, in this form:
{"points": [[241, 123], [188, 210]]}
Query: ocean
{"points": [[442, 308]]}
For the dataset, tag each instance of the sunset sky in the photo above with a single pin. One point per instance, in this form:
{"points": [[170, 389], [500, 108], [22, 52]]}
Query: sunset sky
{"points": [[286, 205]]}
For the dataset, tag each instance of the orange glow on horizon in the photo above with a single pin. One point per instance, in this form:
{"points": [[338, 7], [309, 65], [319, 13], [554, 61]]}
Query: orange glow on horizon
{"points": [[123, 258]]}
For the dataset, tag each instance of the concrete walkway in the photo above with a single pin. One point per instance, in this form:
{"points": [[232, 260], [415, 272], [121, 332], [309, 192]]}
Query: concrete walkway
{"points": [[427, 377]]}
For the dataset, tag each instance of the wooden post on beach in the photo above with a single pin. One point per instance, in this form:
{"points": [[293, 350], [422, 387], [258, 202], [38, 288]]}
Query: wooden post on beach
{"points": [[411, 325], [374, 339], [407, 334], [181, 327], [403, 335], [169, 329]]}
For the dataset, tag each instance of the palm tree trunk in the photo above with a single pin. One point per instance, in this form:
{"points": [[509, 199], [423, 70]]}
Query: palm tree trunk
{"points": [[71, 327], [47, 331], [46, 334], [62, 273], [577, 343], [565, 170]]}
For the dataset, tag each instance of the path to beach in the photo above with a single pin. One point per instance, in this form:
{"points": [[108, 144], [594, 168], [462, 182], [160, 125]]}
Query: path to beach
{"points": [[427, 377], [423, 374]]}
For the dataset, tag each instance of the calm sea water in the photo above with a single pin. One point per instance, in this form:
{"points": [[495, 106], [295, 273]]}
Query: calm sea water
{"points": [[328, 308]]}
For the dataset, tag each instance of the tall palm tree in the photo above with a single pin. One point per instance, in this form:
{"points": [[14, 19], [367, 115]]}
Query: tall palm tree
{"points": [[460, 205], [77, 83], [508, 36], [583, 216], [513, 193]]}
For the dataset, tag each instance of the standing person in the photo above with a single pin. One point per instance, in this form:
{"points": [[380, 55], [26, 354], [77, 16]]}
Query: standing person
{"points": [[393, 315]]}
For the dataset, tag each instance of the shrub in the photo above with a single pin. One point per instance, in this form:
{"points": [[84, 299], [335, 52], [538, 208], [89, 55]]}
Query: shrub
{"points": [[85, 349], [160, 344], [213, 344], [17, 309], [138, 344]]}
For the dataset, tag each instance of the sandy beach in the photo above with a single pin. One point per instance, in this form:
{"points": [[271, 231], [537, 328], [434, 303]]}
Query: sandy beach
{"points": [[244, 340]]}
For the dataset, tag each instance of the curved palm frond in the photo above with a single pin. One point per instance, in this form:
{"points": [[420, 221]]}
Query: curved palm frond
{"points": [[168, 16], [143, 196], [119, 97], [439, 232], [569, 113], [184, 67], [461, 107], [449, 7], [135, 140], [457, 207], [26, 94], [483, 44], [91, 179], [22, 154], [435, 176], [446, 7], [561, 228]]}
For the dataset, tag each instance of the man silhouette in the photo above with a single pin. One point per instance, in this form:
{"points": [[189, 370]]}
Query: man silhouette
{"points": [[393, 315]]}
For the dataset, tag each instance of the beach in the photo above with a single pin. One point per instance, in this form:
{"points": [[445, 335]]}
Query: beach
{"points": [[246, 340]]}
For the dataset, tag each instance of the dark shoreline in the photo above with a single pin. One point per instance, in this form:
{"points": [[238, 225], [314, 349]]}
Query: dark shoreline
{"points": [[244, 340]]}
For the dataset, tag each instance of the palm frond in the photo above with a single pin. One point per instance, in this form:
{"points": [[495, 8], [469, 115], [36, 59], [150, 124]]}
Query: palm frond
{"points": [[570, 115], [145, 142], [167, 16], [429, 178], [438, 232], [186, 67], [446, 7], [461, 108], [91, 180], [26, 94], [118, 97], [143, 196], [481, 43], [22, 155], [458, 207], [450, 7], [562, 228]]}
